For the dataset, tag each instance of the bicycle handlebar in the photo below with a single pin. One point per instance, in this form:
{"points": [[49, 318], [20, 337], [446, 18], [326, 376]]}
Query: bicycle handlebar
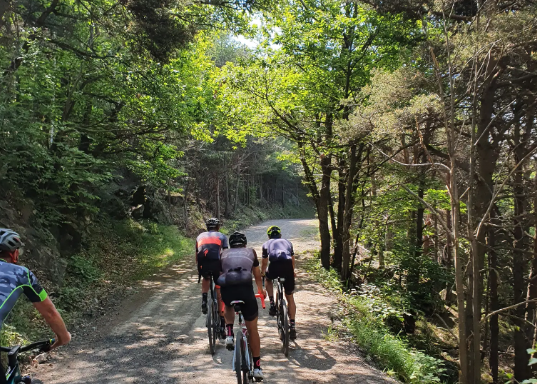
{"points": [[44, 346]]}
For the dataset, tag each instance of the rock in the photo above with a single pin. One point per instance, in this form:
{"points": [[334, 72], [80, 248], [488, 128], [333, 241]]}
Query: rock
{"points": [[41, 358]]}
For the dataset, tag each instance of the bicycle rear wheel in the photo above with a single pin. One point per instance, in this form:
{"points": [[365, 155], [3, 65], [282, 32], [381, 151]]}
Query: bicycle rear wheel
{"points": [[285, 327], [237, 357], [210, 328], [216, 322]]}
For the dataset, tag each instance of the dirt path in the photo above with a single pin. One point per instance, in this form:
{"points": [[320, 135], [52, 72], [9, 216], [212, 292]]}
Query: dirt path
{"points": [[159, 335]]}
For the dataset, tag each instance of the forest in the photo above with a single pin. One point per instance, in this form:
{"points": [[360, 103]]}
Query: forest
{"points": [[410, 124]]}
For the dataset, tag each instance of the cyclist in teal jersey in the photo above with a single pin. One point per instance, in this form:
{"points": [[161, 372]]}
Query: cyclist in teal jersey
{"points": [[16, 280]]}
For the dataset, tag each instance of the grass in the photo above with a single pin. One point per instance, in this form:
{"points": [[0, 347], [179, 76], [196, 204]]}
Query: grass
{"points": [[363, 320], [115, 255]]}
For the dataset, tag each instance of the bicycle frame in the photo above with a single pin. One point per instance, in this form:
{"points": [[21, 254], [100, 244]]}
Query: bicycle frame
{"points": [[242, 348]]}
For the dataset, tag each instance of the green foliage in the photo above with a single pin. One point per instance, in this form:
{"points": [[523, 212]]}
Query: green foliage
{"points": [[366, 313]]}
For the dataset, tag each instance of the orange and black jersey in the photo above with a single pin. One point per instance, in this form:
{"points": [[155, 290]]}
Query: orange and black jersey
{"points": [[209, 246]]}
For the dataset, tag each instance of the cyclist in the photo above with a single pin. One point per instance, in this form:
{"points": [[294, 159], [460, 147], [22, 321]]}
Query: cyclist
{"points": [[238, 265], [16, 280], [282, 264], [209, 246]]}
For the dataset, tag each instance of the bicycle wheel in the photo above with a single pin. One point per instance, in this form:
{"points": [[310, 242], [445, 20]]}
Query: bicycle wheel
{"points": [[210, 328], [246, 364], [285, 326], [237, 358], [216, 322]]}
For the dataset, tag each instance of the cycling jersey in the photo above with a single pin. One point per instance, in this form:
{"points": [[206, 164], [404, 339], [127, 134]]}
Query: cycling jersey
{"points": [[278, 250], [209, 245], [14, 281], [237, 265], [236, 279]]}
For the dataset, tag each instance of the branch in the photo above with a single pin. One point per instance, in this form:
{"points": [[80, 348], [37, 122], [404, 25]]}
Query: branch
{"points": [[438, 215], [507, 308], [493, 199], [446, 168]]}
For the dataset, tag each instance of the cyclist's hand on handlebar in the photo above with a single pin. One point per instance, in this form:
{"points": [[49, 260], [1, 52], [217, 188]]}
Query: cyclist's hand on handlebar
{"points": [[48, 347], [59, 341]]}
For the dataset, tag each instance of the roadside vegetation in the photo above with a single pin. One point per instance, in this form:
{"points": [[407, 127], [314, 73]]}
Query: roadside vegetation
{"points": [[370, 319]]}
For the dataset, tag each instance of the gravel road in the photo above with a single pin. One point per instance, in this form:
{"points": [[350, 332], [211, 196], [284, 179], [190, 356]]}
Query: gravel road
{"points": [[158, 335]]}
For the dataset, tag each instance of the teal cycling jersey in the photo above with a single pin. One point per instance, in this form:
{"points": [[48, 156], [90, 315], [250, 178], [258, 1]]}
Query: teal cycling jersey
{"points": [[14, 281]]}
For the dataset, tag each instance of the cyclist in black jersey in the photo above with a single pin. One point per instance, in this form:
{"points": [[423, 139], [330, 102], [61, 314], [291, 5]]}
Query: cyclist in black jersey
{"points": [[282, 264], [239, 264], [16, 280]]}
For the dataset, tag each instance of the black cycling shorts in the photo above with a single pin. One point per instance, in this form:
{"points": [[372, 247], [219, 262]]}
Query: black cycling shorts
{"points": [[208, 267], [241, 292], [282, 269]]}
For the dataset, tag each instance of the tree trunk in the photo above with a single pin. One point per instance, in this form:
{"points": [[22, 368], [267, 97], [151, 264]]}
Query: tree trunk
{"points": [[521, 369], [531, 307], [336, 231], [218, 197], [351, 187], [494, 306], [322, 211]]}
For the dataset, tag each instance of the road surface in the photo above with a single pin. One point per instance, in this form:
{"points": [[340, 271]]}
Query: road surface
{"points": [[158, 335]]}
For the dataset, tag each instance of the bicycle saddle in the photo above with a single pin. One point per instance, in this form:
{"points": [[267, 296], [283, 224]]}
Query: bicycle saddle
{"points": [[281, 279], [234, 302]]}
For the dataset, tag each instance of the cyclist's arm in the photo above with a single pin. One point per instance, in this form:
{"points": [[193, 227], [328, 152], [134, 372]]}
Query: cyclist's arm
{"points": [[264, 264], [53, 318], [264, 260], [257, 274]]}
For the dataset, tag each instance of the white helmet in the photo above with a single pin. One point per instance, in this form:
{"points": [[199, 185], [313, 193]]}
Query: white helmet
{"points": [[9, 240]]}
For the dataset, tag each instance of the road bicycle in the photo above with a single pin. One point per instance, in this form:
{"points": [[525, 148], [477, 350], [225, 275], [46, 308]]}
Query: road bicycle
{"points": [[282, 318], [213, 323], [243, 363], [13, 372]]}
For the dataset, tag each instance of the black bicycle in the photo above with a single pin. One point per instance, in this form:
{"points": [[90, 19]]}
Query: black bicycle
{"points": [[214, 327], [282, 318], [243, 363], [13, 372]]}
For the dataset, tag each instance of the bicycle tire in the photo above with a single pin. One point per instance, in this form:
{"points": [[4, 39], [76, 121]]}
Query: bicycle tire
{"points": [[238, 358], [246, 365], [285, 331], [216, 323], [210, 328]]}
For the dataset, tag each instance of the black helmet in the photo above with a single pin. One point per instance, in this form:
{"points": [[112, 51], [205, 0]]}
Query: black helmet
{"points": [[237, 239], [9, 240], [213, 222], [274, 232]]}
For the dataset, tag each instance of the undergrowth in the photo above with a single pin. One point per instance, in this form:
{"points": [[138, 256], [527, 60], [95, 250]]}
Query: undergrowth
{"points": [[364, 317], [114, 256]]}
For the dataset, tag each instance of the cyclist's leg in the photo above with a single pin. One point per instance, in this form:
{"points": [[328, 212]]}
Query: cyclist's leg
{"points": [[205, 285], [253, 337], [220, 307], [270, 289], [289, 287], [250, 314], [228, 295]]}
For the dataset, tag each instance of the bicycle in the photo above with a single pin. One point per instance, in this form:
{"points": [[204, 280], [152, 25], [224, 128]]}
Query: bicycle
{"points": [[212, 322], [282, 318], [13, 373], [243, 363]]}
